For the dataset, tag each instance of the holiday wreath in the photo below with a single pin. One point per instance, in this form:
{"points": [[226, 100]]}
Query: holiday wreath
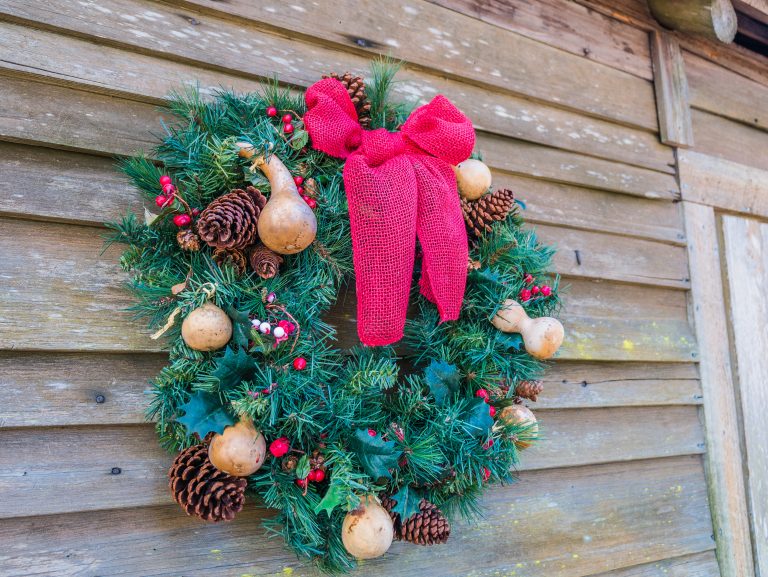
{"points": [[266, 205]]}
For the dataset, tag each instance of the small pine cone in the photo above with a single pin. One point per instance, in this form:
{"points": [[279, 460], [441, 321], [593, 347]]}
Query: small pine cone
{"points": [[232, 256], [310, 187], [289, 463], [317, 460], [427, 527], [529, 390], [355, 86], [480, 214], [230, 220], [201, 489], [188, 240], [264, 261]]}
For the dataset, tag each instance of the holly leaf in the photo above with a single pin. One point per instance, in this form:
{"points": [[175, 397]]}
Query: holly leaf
{"points": [[300, 139], [488, 275], [477, 418], [376, 455], [334, 496], [443, 380], [204, 413], [407, 499], [302, 467], [510, 341], [233, 368], [241, 326]]}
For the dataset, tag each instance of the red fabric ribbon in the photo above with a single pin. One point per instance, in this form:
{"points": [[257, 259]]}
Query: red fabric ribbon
{"points": [[399, 186]]}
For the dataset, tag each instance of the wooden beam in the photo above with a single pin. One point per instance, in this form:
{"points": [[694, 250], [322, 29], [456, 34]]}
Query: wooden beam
{"points": [[715, 19], [671, 86]]}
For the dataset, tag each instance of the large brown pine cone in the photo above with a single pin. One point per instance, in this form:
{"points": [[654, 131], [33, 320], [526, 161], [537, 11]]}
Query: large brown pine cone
{"points": [[427, 527], [232, 256], [529, 389], [264, 261], [480, 214], [201, 489], [355, 86], [230, 220]]}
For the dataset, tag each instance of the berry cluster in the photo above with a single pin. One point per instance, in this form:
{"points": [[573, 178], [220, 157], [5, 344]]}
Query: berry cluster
{"points": [[534, 291], [287, 119], [167, 198], [282, 446], [483, 394]]}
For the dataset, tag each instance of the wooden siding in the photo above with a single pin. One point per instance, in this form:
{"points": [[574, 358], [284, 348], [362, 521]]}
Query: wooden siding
{"points": [[562, 94]]}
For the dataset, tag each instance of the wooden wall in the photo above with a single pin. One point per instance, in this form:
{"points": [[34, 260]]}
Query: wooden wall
{"points": [[562, 94]]}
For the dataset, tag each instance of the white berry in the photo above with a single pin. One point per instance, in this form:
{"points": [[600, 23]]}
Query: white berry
{"points": [[265, 328], [279, 332], [255, 323]]}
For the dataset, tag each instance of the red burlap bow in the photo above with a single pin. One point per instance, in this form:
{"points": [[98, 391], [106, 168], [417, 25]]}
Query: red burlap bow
{"points": [[399, 186]]}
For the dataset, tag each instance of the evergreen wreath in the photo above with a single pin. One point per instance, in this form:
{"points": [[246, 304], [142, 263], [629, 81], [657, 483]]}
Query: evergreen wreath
{"points": [[351, 448]]}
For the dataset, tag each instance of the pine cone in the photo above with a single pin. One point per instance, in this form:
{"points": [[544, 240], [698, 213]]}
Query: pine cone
{"points": [[355, 86], [232, 256], [188, 240], [317, 460], [529, 389], [427, 527], [230, 220], [480, 214], [289, 463], [202, 490], [264, 262]]}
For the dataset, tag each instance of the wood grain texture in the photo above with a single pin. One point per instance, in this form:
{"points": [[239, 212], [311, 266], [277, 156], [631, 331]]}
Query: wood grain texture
{"points": [[746, 257], [729, 140], [48, 389], [569, 523], [696, 565], [724, 457], [66, 469], [567, 26], [722, 183], [175, 60], [671, 86], [721, 91], [714, 19]]}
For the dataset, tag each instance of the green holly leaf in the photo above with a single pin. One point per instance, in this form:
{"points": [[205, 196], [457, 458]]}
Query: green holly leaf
{"points": [[233, 368], [300, 139], [302, 467], [443, 380], [204, 413], [477, 418], [510, 341], [241, 326], [376, 455], [488, 275], [335, 495], [407, 505]]}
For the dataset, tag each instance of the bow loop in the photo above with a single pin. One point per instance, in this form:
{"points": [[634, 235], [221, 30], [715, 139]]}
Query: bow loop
{"points": [[328, 99], [440, 129]]}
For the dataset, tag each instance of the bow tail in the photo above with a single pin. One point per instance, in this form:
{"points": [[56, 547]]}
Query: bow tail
{"points": [[443, 237], [382, 212]]}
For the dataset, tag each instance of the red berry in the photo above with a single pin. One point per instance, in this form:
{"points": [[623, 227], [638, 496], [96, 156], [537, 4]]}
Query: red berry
{"points": [[483, 394], [535, 290], [372, 432], [160, 200], [323, 435], [528, 279], [486, 473], [301, 483], [525, 295], [266, 391], [546, 290], [195, 211], [312, 203], [319, 476], [288, 128], [169, 189], [271, 111], [287, 118], [299, 180], [182, 220], [492, 411], [299, 363], [488, 444], [300, 189], [165, 179], [279, 447], [312, 473]]}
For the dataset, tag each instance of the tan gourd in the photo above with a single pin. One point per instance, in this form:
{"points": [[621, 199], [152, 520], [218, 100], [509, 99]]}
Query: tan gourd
{"points": [[542, 336], [206, 328], [286, 224], [523, 416], [367, 532], [240, 450], [473, 178]]}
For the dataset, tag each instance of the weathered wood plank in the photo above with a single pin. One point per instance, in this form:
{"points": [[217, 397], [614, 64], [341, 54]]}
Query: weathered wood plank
{"points": [[48, 389], [569, 523], [567, 26], [746, 256], [722, 183], [724, 457], [671, 87], [110, 125], [723, 138], [714, 19], [88, 190], [721, 91], [64, 59], [696, 565]]}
